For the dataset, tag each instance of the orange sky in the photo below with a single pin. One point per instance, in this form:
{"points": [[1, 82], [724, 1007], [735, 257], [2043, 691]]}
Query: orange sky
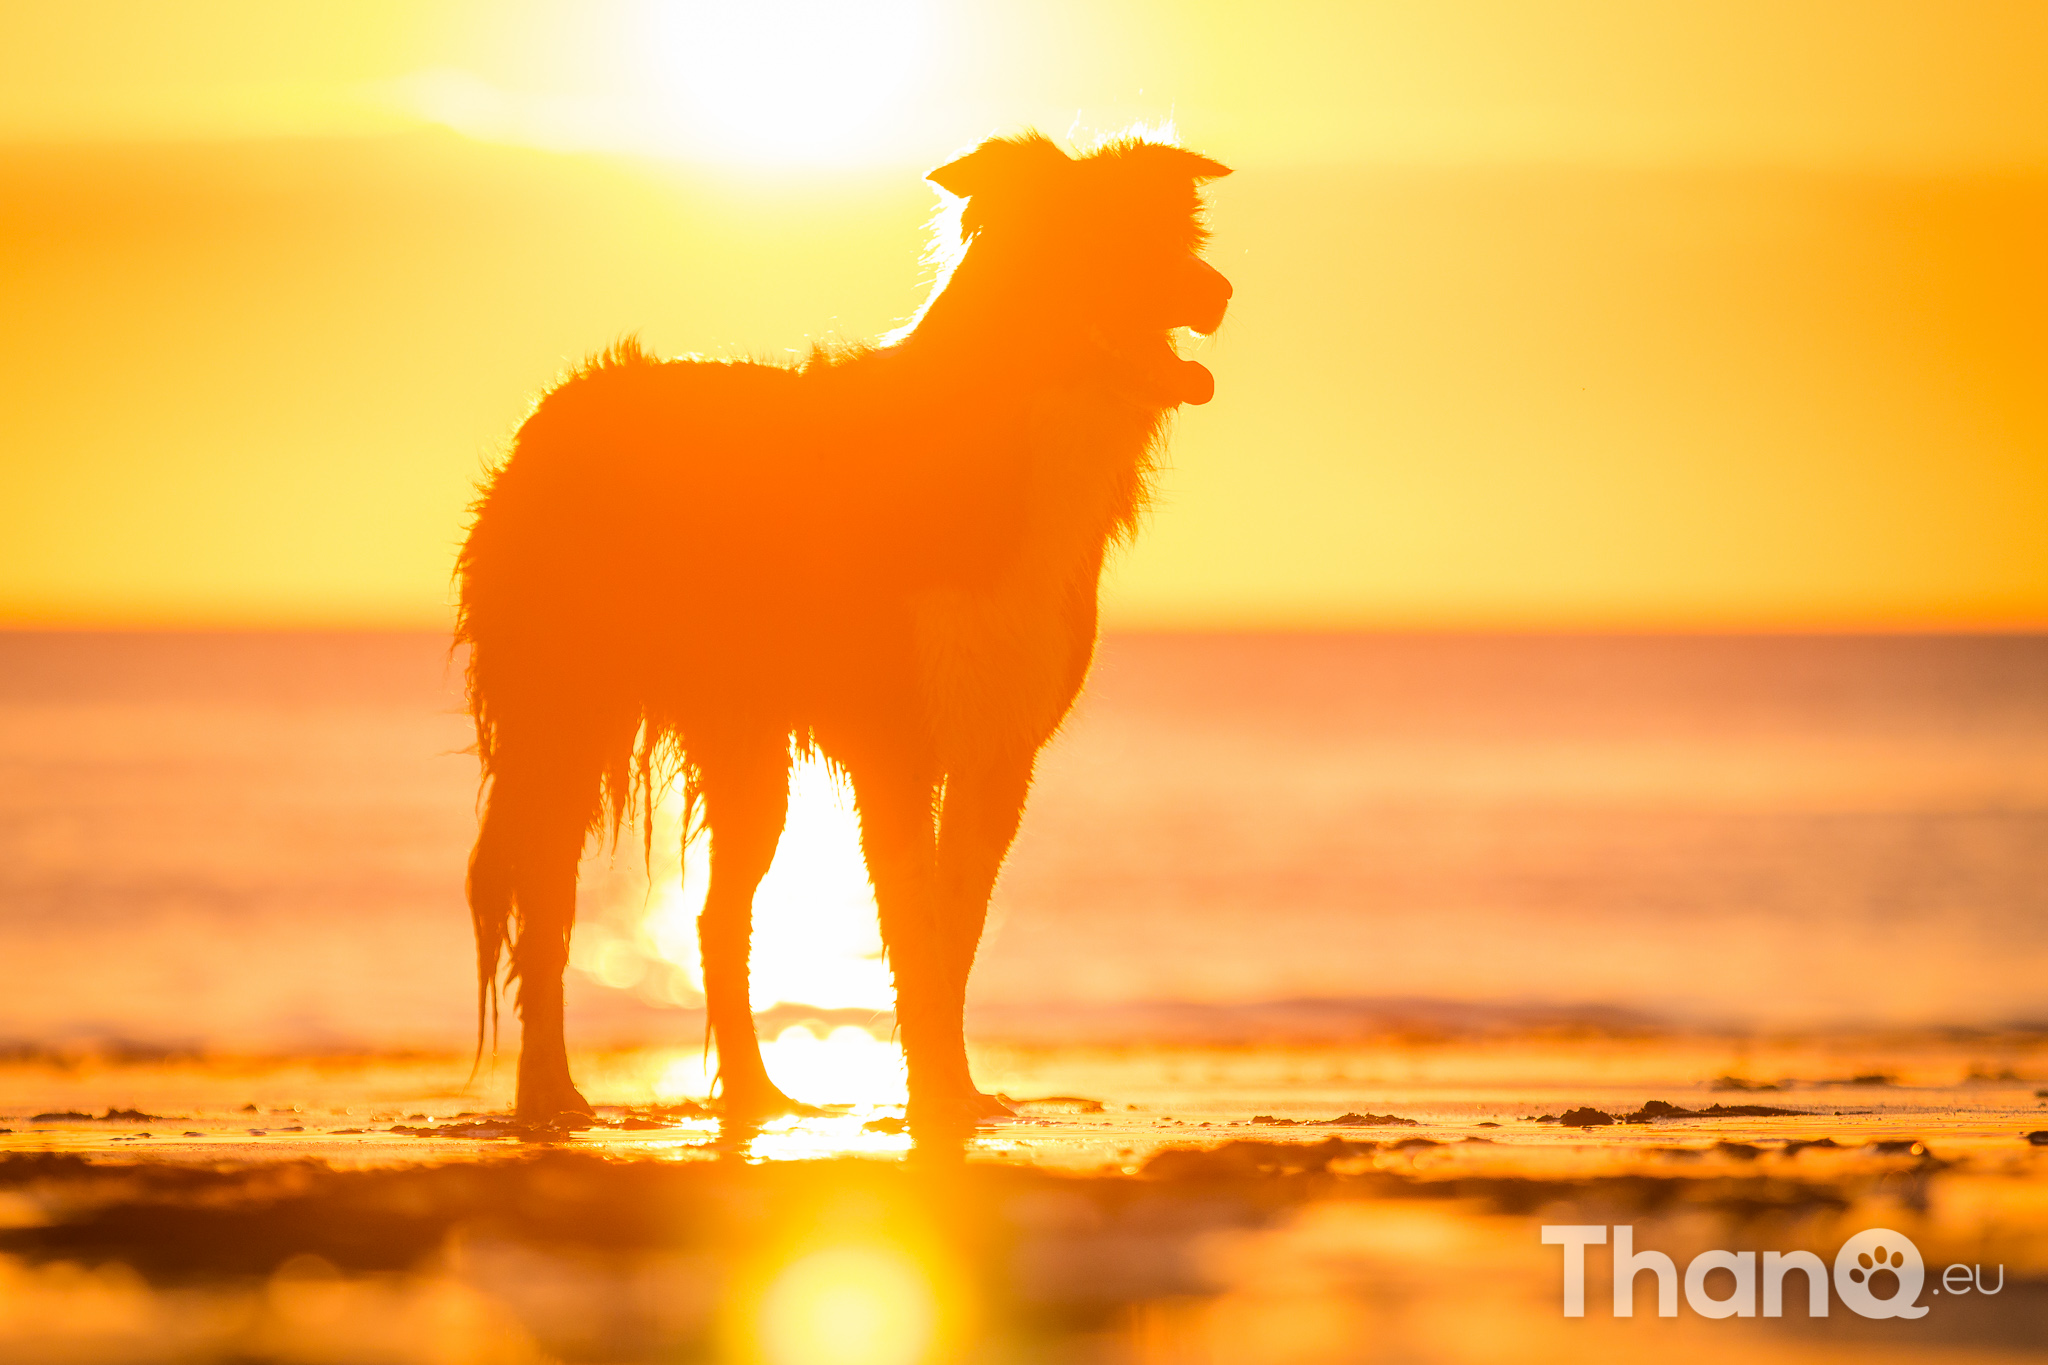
{"points": [[1549, 315]]}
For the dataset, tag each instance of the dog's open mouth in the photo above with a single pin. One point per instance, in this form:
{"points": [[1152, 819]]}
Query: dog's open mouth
{"points": [[1153, 372], [1190, 380]]}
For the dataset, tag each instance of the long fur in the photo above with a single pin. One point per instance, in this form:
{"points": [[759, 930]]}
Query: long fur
{"points": [[898, 544]]}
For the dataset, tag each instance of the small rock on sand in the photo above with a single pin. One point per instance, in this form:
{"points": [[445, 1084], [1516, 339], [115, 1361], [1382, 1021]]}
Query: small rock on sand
{"points": [[1366, 1121], [1796, 1146], [1661, 1109]]}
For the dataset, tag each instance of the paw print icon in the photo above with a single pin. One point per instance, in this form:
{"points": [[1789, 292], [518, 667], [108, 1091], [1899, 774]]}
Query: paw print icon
{"points": [[1880, 1259]]}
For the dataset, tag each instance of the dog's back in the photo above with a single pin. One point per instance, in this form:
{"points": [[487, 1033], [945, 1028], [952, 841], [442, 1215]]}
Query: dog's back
{"points": [[662, 521]]}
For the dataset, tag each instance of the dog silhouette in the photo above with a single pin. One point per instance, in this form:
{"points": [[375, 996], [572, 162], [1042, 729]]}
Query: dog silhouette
{"points": [[887, 554]]}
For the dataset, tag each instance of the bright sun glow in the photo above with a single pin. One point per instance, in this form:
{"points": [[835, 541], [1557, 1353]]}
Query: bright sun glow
{"points": [[816, 940], [849, 1305], [781, 78], [848, 1065], [816, 944], [778, 82]]}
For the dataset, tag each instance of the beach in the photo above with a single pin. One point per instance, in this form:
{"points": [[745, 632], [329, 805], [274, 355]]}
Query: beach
{"points": [[1137, 1209]]}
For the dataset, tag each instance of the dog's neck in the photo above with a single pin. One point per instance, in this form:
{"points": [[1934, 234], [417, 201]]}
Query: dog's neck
{"points": [[992, 326], [1079, 406]]}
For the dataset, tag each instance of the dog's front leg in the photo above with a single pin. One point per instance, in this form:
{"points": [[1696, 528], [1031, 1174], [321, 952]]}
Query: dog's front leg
{"points": [[984, 803], [898, 837]]}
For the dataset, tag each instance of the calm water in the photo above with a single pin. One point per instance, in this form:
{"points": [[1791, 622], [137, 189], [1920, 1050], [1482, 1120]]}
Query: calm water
{"points": [[257, 842]]}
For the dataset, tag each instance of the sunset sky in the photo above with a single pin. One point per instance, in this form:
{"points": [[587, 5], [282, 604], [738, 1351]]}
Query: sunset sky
{"points": [[1549, 315]]}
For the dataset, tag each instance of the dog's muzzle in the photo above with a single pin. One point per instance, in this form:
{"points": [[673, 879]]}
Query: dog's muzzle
{"points": [[1205, 294], [1201, 299]]}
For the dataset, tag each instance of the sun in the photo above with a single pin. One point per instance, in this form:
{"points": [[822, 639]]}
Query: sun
{"points": [[783, 80], [759, 83]]}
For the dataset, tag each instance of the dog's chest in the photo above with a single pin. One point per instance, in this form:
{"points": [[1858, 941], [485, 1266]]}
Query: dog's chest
{"points": [[1001, 662], [998, 670]]}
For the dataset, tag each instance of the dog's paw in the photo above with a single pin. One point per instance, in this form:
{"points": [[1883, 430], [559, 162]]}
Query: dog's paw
{"points": [[558, 1105], [957, 1111], [991, 1106], [758, 1103]]}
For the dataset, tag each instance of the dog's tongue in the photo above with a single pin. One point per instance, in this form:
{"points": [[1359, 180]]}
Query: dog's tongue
{"points": [[1174, 381], [1154, 374], [1192, 382]]}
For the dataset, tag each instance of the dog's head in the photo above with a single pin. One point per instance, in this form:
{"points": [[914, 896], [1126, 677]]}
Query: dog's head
{"points": [[1108, 246]]}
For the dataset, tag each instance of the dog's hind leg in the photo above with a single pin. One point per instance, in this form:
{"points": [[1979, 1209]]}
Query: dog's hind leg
{"points": [[539, 811], [745, 785]]}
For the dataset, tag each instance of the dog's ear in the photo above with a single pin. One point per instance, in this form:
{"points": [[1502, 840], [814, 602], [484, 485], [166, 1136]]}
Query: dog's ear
{"points": [[1002, 167], [1165, 160], [1201, 167]]}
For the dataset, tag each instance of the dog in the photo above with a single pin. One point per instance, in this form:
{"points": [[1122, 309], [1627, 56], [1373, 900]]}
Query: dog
{"points": [[887, 554]]}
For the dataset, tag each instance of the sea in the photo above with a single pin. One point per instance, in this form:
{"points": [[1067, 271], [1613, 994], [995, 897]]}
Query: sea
{"points": [[254, 844]]}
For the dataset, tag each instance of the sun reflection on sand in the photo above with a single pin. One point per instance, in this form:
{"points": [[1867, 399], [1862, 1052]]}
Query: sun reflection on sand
{"points": [[848, 1305]]}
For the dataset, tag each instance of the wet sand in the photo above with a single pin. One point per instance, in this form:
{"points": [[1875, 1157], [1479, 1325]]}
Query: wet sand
{"points": [[1374, 1201]]}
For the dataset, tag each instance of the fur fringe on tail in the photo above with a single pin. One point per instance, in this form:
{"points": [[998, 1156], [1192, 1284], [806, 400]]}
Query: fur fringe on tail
{"points": [[633, 785], [488, 888]]}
